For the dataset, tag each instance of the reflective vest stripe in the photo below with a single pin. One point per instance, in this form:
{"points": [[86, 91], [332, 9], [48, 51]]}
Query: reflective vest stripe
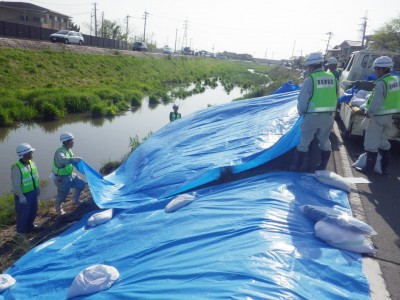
{"points": [[322, 109], [29, 179], [67, 170]]}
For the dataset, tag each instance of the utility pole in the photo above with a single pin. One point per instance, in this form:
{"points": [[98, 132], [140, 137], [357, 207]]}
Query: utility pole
{"points": [[127, 26], [327, 44], [266, 53], [95, 19], [103, 33], [91, 25], [176, 37], [363, 29], [145, 20], [294, 45]]}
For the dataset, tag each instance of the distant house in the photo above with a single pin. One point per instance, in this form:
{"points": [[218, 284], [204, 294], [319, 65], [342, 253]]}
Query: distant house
{"points": [[33, 15], [346, 48], [343, 51]]}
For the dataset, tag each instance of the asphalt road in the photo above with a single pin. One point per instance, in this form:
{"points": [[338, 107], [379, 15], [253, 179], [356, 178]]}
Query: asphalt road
{"points": [[381, 202]]}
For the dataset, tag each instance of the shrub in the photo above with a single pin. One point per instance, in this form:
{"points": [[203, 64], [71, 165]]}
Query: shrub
{"points": [[99, 110], [7, 209], [5, 119], [51, 112]]}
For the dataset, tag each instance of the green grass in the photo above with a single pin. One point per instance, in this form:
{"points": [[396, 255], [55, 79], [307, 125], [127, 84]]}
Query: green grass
{"points": [[48, 85]]}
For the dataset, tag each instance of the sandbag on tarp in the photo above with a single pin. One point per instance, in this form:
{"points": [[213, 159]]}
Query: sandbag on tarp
{"points": [[195, 145], [242, 240]]}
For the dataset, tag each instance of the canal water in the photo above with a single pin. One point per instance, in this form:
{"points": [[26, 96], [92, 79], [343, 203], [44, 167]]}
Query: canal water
{"points": [[96, 140]]}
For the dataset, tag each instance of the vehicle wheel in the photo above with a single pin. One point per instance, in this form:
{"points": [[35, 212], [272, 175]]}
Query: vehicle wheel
{"points": [[80, 43], [66, 41]]}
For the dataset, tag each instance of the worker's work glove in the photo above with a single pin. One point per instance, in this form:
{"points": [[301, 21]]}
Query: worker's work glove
{"points": [[22, 200], [76, 159]]}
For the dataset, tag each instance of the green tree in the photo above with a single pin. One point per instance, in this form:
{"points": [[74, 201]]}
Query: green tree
{"points": [[111, 30], [73, 26], [388, 36]]}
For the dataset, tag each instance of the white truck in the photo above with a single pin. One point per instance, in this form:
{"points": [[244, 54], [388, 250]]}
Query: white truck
{"points": [[357, 69]]}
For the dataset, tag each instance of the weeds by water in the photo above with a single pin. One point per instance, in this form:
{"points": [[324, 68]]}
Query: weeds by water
{"points": [[48, 85]]}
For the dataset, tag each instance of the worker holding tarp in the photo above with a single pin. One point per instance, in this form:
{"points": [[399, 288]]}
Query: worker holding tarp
{"points": [[317, 103]]}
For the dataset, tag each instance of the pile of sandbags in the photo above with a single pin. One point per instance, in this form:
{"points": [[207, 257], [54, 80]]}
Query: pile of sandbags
{"points": [[339, 229]]}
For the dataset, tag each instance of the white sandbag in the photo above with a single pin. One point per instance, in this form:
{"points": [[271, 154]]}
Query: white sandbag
{"points": [[338, 216], [357, 101], [330, 178], [6, 281], [179, 202], [342, 238], [363, 106], [362, 161], [362, 94], [93, 279], [100, 218]]}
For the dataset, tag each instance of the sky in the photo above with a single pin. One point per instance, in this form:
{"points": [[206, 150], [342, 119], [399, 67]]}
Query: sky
{"points": [[265, 29]]}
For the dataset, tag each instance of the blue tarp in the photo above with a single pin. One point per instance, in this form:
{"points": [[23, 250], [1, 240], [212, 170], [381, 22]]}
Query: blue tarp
{"points": [[242, 239]]}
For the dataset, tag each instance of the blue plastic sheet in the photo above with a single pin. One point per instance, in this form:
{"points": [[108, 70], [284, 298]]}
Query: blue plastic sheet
{"points": [[191, 151], [243, 239]]}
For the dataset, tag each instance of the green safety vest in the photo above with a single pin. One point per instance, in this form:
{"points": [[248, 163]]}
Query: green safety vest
{"points": [[67, 170], [29, 179], [174, 116], [324, 96], [336, 73], [391, 103]]}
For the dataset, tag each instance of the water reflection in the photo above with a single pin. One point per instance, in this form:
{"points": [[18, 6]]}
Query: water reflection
{"points": [[97, 140]]}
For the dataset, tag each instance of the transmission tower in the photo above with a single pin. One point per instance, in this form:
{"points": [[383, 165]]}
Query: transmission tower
{"points": [[185, 29]]}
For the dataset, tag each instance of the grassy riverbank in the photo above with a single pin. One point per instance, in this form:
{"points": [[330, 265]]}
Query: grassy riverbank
{"points": [[48, 84]]}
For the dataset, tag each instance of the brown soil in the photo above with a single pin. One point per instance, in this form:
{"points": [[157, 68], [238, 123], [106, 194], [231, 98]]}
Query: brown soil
{"points": [[13, 246]]}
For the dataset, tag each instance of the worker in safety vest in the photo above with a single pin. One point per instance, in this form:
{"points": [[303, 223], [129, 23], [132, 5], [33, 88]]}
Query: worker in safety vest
{"points": [[64, 176], [331, 65], [25, 185], [174, 115], [383, 102], [316, 103]]}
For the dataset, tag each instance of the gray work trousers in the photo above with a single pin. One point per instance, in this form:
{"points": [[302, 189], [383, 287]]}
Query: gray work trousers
{"points": [[320, 124], [377, 133], [65, 184]]}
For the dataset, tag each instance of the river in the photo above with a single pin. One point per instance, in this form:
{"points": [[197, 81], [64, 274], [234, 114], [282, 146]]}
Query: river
{"points": [[96, 140]]}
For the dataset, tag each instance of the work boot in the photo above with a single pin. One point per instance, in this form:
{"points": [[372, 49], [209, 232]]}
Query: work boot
{"points": [[385, 160], [371, 161], [299, 162], [325, 155], [59, 210]]}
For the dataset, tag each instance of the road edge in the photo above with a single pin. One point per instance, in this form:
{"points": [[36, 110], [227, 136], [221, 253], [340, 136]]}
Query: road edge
{"points": [[371, 268]]}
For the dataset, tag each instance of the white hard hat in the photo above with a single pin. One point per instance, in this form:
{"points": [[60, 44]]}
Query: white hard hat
{"points": [[332, 61], [66, 136], [314, 58], [23, 149], [383, 62]]}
